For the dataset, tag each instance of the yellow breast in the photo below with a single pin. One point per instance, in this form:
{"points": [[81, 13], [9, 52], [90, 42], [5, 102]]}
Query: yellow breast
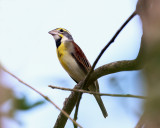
{"points": [[62, 53]]}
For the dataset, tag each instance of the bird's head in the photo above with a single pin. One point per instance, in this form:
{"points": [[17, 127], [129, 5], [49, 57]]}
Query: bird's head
{"points": [[61, 35]]}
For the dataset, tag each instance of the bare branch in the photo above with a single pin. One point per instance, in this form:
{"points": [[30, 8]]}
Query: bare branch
{"points": [[97, 93], [125, 65], [45, 97], [104, 49], [68, 107]]}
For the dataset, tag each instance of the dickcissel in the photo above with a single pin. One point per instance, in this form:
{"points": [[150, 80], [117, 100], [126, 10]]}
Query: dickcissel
{"points": [[74, 61]]}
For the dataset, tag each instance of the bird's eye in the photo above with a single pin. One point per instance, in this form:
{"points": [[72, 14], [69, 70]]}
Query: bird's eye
{"points": [[61, 30]]}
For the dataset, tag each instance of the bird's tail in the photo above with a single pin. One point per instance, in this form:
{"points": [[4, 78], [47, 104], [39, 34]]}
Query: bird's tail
{"points": [[95, 87], [101, 105]]}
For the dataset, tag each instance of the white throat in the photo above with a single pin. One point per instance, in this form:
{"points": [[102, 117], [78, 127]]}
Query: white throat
{"points": [[56, 37]]}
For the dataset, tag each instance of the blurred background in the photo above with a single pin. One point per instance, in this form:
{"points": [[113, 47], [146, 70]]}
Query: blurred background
{"points": [[29, 52]]}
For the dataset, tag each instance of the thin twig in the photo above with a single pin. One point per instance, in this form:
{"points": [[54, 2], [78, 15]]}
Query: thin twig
{"points": [[104, 49], [96, 93], [45, 97]]}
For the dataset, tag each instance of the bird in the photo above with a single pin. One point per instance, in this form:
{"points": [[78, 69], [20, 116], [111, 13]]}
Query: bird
{"points": [[74, 61]]}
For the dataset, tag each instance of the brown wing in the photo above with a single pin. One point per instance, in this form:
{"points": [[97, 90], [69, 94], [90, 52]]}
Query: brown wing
{"points": [[81, 58], [85, 66]]}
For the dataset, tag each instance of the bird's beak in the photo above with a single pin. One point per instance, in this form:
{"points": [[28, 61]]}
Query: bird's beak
{"points": [[53, 32]]}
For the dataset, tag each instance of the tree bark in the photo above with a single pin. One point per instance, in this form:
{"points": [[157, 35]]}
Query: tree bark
{"points": [[149, 11]]}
